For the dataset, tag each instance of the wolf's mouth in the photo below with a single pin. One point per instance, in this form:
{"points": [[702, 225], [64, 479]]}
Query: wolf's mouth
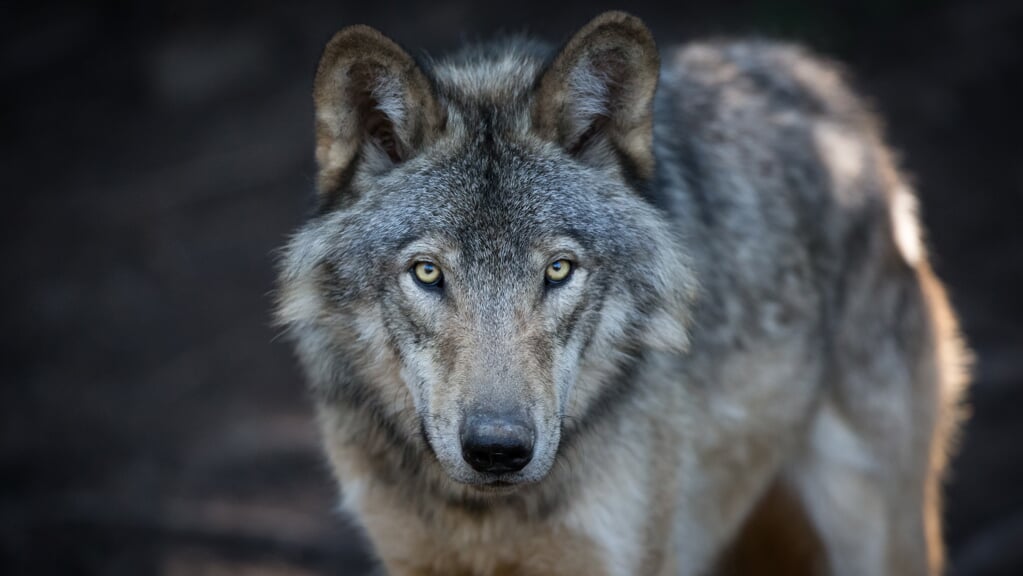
{"points": [[497, 487]]}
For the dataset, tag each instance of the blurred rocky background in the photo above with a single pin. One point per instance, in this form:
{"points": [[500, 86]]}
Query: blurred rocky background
{"points": [[153, 154]]}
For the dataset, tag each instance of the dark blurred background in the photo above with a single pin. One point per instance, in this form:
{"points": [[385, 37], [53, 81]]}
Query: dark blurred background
{"points": [[153, 154]]}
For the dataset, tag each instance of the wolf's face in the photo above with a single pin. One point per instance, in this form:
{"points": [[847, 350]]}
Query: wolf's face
{"points": [[480, 271]]}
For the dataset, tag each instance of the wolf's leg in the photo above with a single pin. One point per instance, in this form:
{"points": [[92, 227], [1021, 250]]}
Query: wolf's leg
{"points": [[741, 431], [869, 474], [869, 516]]}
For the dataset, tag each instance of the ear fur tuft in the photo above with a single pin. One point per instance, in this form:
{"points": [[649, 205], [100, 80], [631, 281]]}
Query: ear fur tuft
{"points": [[596, 98], [371, 98]]}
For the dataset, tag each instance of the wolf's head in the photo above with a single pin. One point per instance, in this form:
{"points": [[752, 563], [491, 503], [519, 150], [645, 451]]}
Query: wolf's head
{"points": [[484, 263]]}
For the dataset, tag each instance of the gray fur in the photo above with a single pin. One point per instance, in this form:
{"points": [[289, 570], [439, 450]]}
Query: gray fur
{"points": [[751, 313]]}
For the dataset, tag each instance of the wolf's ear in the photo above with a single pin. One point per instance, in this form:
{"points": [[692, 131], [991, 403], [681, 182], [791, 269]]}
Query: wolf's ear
{"points": [[371, 98], [596, 97]]}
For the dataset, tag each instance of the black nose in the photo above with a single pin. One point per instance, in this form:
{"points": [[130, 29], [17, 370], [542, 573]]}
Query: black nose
{"points": [[497, 444]]}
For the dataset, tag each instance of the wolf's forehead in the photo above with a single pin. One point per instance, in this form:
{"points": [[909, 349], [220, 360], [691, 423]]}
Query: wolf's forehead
{"points": [[482, 202], [490, 214], [506, 215]]}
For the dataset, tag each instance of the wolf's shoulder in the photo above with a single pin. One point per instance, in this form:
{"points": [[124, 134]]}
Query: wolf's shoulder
{"points": [[765, 76], [773, 150], [774, 117]]}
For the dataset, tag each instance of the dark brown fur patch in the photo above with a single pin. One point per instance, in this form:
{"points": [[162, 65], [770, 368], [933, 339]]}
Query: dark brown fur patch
{"points": [[777, 538]]}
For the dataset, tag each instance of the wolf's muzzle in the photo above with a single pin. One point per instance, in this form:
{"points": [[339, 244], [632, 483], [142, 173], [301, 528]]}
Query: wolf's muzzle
{"points": [[497, 444]]}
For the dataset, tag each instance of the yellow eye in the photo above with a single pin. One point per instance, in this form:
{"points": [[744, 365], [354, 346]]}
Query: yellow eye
{"points": [[558, 271], [427, 273]]}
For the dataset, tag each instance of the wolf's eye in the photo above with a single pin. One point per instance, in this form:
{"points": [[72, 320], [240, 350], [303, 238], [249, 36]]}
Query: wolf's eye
{"points": [[427, 274], [558, 271]]}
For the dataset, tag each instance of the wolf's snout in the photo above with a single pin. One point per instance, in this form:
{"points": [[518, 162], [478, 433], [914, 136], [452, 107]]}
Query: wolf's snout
{"points": [[497, 444]]}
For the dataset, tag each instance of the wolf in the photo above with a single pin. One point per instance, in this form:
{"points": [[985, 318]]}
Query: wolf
{"points": [[588, 311]]}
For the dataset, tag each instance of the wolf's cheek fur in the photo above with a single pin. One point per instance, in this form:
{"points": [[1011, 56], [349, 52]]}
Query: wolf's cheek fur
{"points": [[667, 327]]}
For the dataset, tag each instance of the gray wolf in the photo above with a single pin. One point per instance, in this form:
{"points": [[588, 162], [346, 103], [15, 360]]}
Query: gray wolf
{"points": [[599, 311]]}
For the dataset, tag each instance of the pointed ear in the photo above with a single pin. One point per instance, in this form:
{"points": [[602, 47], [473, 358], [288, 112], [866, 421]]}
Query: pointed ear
{"points": [[372, 99], [596, 98]]}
